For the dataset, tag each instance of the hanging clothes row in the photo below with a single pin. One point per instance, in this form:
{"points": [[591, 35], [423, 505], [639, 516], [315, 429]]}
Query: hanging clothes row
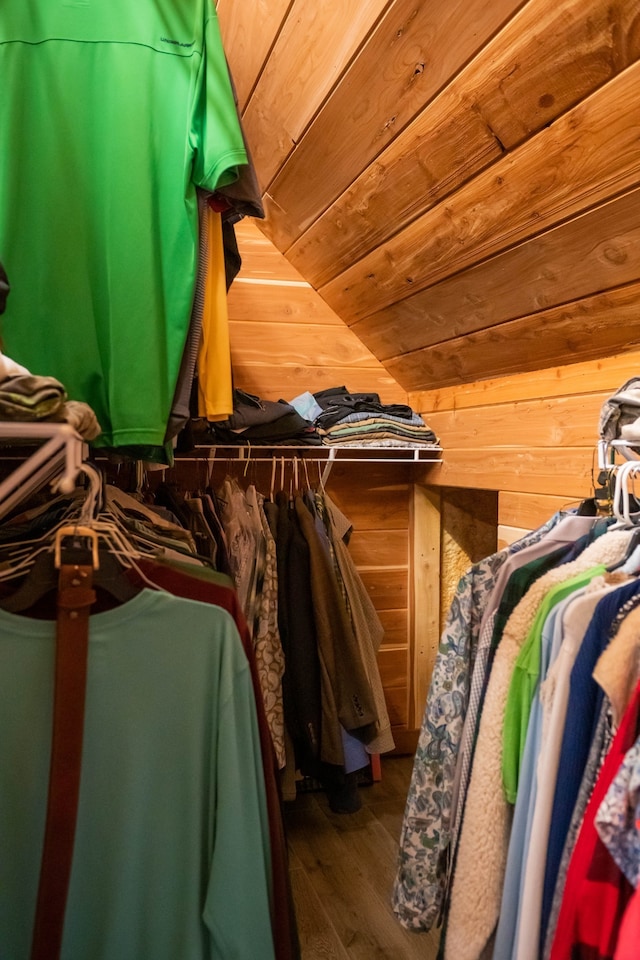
{"points": [[179, 847], [314, 629], [519, 833]]}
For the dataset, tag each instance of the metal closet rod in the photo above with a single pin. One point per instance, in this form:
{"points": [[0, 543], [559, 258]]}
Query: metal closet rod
{"points": [[246, 454], [320, 454]]}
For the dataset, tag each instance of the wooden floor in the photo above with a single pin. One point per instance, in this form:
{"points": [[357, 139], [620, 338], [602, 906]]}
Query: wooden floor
{"points": [[342, 869]]}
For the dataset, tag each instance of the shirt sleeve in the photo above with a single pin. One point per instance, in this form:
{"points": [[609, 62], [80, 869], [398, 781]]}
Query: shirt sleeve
{"points": [[216, 132]]}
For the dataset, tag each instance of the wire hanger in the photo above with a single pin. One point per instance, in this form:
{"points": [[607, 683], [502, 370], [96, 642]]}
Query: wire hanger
{"points": [[90, 537], [320, 477], [56, 461], [622, 495], [210, 465], [69, 545], [328, 466]]}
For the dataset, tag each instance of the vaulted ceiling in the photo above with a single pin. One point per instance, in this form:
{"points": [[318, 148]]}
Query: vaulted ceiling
{"points": [[458, 179]]}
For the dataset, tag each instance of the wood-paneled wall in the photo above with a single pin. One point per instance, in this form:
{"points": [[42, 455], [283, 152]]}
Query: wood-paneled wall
{"points": [[285, 339], [459, 180], [380, 509], [460, 183], [531, 436]]}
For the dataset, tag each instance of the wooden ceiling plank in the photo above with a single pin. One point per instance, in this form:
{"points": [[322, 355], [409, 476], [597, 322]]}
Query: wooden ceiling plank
{"points": [[248, 31], [587, 329], [602, 376], [592, 253], [415, 51], [544, 61], [314, 47], [432, 158], [560, 173], [556, 56]]}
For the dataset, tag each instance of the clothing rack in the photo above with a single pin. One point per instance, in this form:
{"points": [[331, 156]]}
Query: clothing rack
{"points": [[509, 621], [36, 455]]}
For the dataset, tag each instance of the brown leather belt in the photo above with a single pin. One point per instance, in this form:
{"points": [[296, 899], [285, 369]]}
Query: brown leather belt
{"points": [[75, 597]]}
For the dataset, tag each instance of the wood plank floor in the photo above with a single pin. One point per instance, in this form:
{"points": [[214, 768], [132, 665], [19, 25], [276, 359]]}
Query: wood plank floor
{"points": [[342, 869]]}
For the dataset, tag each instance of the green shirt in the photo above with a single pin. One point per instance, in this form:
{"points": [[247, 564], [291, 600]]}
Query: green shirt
{"points": [[172, 855], [524, 681], [111, 113]]}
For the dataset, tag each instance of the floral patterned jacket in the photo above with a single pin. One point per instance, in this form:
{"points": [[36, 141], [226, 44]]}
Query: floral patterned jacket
{"points": [[419, 885], [423, 860]]}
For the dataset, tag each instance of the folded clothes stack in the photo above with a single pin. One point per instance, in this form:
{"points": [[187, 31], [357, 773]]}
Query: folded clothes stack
{"points": [[330, 417], [263, 423], [25, 398], [360, 419]]}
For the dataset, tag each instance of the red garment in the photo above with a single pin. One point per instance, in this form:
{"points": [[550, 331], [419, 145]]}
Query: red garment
{"points": [[180, 583], [628, 947], [596, 892]]}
